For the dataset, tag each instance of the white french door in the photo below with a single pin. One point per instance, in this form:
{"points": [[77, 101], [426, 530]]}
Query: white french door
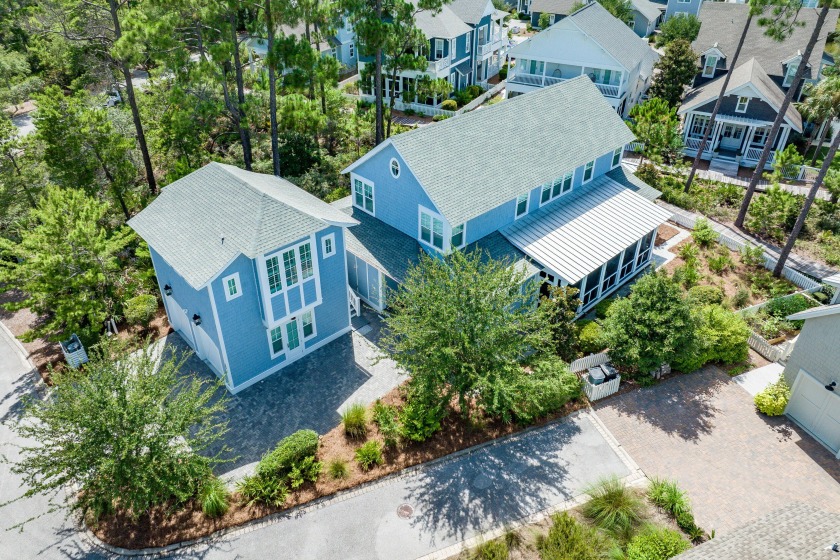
{"points": [[294, 338]]}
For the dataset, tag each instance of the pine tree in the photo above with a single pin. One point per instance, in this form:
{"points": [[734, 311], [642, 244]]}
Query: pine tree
{"points": [[676, 70]]}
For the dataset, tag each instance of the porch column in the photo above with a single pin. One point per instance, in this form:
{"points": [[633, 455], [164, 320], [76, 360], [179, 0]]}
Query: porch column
{"points": [[783, 137], [689, 122], [636, 255], [745, 143], [716, 136], [545, 66]]}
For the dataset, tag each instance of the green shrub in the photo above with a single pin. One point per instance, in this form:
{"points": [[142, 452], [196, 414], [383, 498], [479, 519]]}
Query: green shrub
{"points": [[649, 173], [438, 118], [687, 274], [355, 420], [213, 497], [369, 454], [420, 420], [269, 490], [568, 539], [729, 195], [139, 310], [656, 544], [338, 468], [288, 453], [549, 387], [387, 418], [783, 306], [689, 252], [773, 400], [752, 255], [721, 261], [590, 336], [667, 495], [774, 212], [720, 336], [474, 91], [603, 306], [741, 297], [306, 470], [449, 105], [491, 550], [703, 234], [705, 295], [613, 507], [503, 71]]}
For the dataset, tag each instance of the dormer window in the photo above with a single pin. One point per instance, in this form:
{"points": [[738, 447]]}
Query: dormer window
{"points": [[741, 107], [709, 66], [792, 67]]}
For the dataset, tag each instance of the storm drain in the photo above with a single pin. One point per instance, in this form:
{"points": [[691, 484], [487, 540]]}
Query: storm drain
{"points": [[404, 511]]}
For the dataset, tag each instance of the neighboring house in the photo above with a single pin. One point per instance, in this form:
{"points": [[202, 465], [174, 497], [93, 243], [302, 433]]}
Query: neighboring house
{"points": [[590, 42], [797, 531], [813, 375], [556, 10], [464, 46], [646, 14], [558, 204], [692, 7], [758, 85], [341, 46], [251, 269]]}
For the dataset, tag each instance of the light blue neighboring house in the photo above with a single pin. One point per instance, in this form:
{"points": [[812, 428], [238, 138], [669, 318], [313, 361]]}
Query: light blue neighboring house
{"points": [[553, 199], [692, 7], [252, 269]]}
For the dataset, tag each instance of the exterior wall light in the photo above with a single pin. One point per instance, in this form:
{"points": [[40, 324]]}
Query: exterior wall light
{"points": [[167, 289], [196, 319]]}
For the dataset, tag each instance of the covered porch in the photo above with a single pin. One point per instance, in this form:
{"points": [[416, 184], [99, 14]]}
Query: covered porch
{"points": [[596, 241], [734, 139], [611, 82]]}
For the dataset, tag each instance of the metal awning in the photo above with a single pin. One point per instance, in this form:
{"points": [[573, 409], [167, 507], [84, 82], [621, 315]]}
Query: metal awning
{"points": [[579, 234]]}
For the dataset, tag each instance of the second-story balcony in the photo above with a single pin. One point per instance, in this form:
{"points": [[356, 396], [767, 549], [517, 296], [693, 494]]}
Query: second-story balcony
{"points": [[439, 65], [542, 80], [490, 46]]}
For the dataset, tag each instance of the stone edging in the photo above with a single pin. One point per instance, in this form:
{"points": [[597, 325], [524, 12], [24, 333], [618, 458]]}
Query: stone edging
{"points": [[297, 511]]}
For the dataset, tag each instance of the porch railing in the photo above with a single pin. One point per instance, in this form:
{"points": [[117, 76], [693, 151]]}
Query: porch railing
{"points": [[694, 144], [440, 64], [489, 46], [753, 154], [607, 89]]}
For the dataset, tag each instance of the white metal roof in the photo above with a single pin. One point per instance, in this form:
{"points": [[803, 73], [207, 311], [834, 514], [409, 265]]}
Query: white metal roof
{"points": [[576, 236]]}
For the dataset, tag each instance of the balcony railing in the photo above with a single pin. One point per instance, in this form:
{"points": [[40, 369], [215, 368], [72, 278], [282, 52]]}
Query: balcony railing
{"points": [[489, 47], [608, 90], [540, 81], [439, 65]]}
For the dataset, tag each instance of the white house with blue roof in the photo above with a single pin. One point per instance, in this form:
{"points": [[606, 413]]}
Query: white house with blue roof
{"points": [[251, 268], [557, 202]]}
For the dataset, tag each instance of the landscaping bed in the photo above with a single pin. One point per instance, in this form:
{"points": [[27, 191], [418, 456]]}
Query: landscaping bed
{"points": [[164, 526], [771, 321]]}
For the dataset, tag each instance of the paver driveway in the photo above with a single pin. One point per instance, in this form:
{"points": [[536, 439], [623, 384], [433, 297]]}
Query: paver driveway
{"points": [[736, 465]]}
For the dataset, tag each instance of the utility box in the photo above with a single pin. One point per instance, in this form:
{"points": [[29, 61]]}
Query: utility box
{"points": [[74, 351]]}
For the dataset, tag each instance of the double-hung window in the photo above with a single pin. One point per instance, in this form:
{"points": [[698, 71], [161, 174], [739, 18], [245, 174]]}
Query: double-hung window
{"points": [[559, 186], [709, 66], [438, 49], [790, 73], [741, 107], [431, 230], [290, 267], [307, 324], [231, 284], [275, 283], [521, 205], [452, 49], [363, 195], [306, 270], [699, 124], [457, 236], [588, 171], [760, 137], [352, 50], [616, 159], [328, 245], [276, 340], [469, 38]]}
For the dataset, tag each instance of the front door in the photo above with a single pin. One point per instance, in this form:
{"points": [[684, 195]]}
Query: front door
{"points": [[294, 347], [731, 136]]}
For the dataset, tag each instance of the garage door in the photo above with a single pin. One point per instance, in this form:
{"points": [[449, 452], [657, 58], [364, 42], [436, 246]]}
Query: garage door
{"points": [[207, 350], [179, 320], [816, 409]]}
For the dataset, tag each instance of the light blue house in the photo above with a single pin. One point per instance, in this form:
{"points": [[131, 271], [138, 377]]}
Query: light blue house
{"points": [[552, 199], [252, 269]]}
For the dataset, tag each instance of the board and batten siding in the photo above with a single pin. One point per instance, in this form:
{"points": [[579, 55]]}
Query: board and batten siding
{"points": [[396, 201], [817, 350], [244, 330]]}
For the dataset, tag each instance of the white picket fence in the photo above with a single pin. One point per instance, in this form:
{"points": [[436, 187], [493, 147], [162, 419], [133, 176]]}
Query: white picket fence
{"points": [[635, 147], [595, 392], [589, 361], [482, 98], [760, 345], [794, 276]]}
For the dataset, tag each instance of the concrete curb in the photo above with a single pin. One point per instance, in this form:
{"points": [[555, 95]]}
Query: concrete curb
{"points": [[303, 509]]}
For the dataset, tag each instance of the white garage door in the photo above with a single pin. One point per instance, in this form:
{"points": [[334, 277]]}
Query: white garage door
{"points": [[816, 409], [207, 350], [179, 320]]}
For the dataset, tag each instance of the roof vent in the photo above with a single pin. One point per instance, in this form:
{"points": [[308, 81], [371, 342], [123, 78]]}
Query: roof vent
{"points": [[834, 547], [222, 239]]}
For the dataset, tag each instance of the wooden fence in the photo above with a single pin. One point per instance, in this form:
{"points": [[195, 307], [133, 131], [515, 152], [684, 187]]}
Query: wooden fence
{"points": [[595, 392], [589, 361]]}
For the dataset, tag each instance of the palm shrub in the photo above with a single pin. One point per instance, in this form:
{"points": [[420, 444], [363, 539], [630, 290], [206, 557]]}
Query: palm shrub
{"points": [[355, 420], [613, 507], [569, 540], [655, 543], [369, 454], [213, 497], [773, 399], [338, 468], [703, 234]]}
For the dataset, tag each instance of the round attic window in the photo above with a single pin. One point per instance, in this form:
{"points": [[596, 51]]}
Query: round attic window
{"points": [[395, 168]]}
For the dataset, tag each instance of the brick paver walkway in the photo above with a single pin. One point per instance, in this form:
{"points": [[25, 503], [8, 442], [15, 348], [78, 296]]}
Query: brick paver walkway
{"points": [[736, 465]]}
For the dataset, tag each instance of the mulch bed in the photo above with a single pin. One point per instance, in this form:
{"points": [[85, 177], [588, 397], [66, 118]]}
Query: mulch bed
{"points": [[664, 233], [161, 529]]}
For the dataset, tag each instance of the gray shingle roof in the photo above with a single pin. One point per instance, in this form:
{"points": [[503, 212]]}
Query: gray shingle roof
{"points": [[471, 11], [553, 6], [749, 72], [444, 25], [647, 8], [467, 169], [613, 35], [378, 244], [722, 23], [795, 532], [576, 236], [201, 222], [624, 177]]}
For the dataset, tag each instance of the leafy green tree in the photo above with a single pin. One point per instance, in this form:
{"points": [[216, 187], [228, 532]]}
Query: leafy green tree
{"points": [[684, 27], [787, 161], [559, 310], [16, 80], [620, 9], [544, 21], [66, 264], [22, 175], [674, 71], [656, 125], [127, 431], [650, 327], [460, 327]]}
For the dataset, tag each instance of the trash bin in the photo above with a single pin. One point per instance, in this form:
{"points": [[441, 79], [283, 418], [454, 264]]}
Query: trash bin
{"points": [[596, 375]]}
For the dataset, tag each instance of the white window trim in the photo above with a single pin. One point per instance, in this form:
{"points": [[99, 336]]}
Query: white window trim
{"points": [[275, 355], [391, 170], [469, 37], [620, 152], [738, 104], [453, 48], [314, 325], [706, 65], [235, 278], [527, 196], [790, 75], [353, 178], [446, 231], [284, 335], [463, 237], [551, 196], [438, 42], [324, 253], [584, 180], [352, 50]]}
